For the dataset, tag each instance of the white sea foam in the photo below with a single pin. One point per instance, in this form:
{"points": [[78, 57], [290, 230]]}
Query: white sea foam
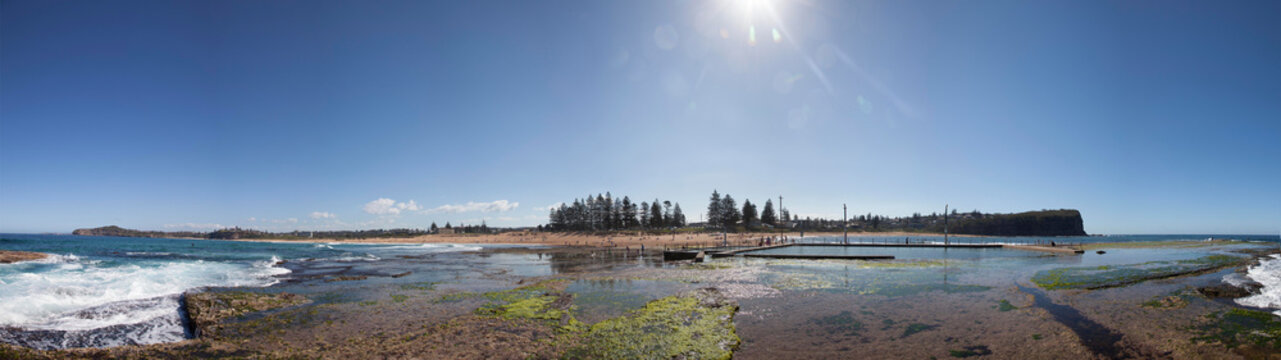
{"points": [[136, 301], [1267, 273], [366, 257], [419, 248]]}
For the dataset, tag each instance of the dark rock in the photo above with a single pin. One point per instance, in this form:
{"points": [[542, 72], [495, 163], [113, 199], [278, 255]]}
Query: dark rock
{"points": [[1229, 290], [205, 310]]}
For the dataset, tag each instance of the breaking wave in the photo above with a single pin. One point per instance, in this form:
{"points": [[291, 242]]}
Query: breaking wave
{"points": [[1267, 273], [67, 301]]}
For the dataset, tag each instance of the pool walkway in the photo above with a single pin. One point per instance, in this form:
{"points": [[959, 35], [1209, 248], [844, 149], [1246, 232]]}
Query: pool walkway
{"points": [[684, 254]]}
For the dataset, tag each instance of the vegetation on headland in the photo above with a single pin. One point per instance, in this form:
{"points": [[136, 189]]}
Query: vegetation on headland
{"points": [[1032, 223], [1098, 277], [605, 213], [112, 230]]}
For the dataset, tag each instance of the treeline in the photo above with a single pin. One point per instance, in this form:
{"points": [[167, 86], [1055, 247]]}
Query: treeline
{"points": [[604, 212], [725, 214], [467, 229], [1063, 222]]}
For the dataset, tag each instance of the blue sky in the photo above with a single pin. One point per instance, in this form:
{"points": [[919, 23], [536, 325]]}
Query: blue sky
{"points": [[1149, 117]]}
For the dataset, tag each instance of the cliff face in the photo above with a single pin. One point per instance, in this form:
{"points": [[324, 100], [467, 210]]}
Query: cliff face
{"points": [[1032, 223]]}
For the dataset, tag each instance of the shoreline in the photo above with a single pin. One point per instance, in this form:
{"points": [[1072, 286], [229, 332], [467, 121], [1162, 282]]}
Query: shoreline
{"points": [[590, 240]]}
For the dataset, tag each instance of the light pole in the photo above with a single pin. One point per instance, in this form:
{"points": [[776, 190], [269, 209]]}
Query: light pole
{"points": [[945, 243], [845, 223]]}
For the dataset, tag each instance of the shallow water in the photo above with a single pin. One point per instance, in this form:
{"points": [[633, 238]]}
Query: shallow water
{"points": [[910, 253]]}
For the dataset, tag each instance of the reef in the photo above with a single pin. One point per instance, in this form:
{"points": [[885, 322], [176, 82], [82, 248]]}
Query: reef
{"points": [[1099, 277], [8, 256], [207, 309]]}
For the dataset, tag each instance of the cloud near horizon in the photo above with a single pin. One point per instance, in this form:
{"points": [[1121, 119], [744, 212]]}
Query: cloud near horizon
{"points": [[322, 215], [470, 206], [385, 206], [195, 226], [550, 206]]}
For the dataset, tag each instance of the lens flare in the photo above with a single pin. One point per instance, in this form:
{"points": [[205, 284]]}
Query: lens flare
{"points": [[778, 38], [751, 35]]}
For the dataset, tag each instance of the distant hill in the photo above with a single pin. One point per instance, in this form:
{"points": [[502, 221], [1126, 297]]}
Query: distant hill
{"points": [[1064, 222], [238, 233], [113, 230]]}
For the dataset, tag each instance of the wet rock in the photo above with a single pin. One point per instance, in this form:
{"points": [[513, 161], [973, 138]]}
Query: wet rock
{"points": [[206, 310], [346, 278], [7, 256], [1230, 291]]}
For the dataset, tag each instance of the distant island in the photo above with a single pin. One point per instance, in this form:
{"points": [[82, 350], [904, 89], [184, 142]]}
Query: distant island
{"points": [[236, 233]]}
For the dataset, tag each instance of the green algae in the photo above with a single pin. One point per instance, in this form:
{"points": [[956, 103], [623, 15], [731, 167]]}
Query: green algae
{"points": [[698, 325], [1005, 305], [542, 301], [1098, 277], [1241, 327], [970, 351], [1175, 300], [537, 308], [916, 328], [399, 298], [511, 295], [802, 281]]}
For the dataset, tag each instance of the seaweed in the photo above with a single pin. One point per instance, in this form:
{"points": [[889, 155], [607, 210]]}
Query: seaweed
{"points": [[693, 325], [1005, 305], [916, 328], [970, 351], [1238, 327]]}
